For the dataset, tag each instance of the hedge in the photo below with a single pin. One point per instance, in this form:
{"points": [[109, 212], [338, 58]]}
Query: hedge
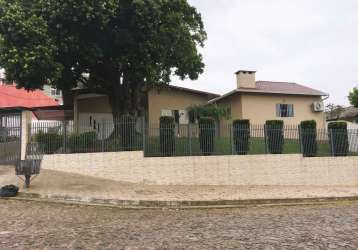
{"points": [[274, 136], [127, 132], [338, 138], [308, 138], [241, 136], [206, 135], [49, 143], [167, 135], [84, 142]]}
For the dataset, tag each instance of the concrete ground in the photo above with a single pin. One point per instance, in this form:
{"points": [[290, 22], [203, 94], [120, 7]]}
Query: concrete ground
{"points": [[33, 225], [51, 183]]}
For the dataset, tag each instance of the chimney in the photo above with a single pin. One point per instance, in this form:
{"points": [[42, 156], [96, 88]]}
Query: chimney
{"points": [[246, 79]]}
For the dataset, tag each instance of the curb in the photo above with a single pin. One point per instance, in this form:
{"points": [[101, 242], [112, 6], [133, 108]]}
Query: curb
{"points": [[209, 204]]}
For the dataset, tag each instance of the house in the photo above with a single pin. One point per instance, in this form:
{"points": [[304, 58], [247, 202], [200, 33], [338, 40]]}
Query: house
{"points": [[350, 114], [11, 97], [169, 101], [259, 101], [255, 100]]}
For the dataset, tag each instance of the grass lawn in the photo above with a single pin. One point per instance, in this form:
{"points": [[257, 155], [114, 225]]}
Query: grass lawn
{"points": [[223, 146]]}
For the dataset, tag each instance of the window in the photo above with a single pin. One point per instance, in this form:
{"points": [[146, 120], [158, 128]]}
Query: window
{"points": [[284, 110], [180, 116], [55, 91]]}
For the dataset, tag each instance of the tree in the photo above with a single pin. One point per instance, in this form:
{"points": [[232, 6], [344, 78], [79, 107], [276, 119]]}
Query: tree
{"points": [[120, 48], [353, 97], [216, 111], [334, 111]]}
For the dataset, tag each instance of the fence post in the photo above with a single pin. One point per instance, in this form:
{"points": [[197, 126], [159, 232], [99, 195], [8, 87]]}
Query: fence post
{"points": [[64, 141], [265, 135], [26, 117], [232, 138], [189, 138], [102, 135], [331, 137], [143, 132], [300, 138]]}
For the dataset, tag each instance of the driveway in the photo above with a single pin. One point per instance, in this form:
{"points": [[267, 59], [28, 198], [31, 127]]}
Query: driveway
{"points": [[31, 225]]}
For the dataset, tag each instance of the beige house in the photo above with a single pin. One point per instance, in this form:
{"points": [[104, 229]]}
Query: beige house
{"points": [[259, 101], [91, 109], [255, 100]]}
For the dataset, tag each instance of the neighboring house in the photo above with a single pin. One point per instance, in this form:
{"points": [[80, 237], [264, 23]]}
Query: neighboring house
{"points": [[170, 101], [11, 97], [13, 100], [350, 114], [53, 93], [259, 101]]}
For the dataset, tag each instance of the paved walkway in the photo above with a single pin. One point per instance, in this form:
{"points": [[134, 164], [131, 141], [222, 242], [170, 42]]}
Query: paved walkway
{"points": [[31, 225], [51, 183]]}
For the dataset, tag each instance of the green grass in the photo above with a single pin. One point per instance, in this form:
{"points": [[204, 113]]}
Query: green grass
{"points": [[222, 146]]}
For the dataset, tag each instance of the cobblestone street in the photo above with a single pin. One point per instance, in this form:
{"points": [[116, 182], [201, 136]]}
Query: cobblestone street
{"points": [[32, 225]]}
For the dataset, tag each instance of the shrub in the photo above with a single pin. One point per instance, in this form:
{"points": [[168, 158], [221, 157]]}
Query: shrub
{"points": [[127, 132], [338, 138], [206, 135], [167, 135], [274, 136], [308, 138], [49, 143], [82, 143], [241, 134]]}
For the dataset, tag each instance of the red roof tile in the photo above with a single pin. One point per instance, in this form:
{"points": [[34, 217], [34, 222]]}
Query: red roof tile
{"points": [[10, 96]]}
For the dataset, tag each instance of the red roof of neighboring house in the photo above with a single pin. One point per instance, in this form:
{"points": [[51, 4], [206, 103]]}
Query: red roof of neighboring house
{"points": [[284, 88], [10, 96]]}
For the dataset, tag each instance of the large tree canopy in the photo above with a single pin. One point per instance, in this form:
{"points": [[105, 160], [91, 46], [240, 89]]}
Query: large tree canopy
{"points": [[115, 47], [353, 97]]}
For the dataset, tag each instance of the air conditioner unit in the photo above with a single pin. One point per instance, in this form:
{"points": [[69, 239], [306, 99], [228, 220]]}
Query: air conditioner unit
{"points": [[318, 106]]}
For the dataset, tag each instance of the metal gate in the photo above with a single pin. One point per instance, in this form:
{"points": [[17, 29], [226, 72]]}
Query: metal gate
{"points": [[10, 138]]}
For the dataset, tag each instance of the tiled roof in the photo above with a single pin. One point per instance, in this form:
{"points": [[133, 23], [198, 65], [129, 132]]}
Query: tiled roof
{"points": [[285, 88], [10, 96]]}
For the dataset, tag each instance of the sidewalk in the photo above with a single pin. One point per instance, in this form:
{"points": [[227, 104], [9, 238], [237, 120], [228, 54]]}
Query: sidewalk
{"points": [[52, 184]]}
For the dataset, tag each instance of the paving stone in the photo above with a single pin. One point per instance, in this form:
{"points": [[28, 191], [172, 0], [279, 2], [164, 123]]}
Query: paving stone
{"points": [[33, 225]]}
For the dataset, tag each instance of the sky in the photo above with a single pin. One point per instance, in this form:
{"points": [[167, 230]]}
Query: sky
{"points": [[314, 43]]}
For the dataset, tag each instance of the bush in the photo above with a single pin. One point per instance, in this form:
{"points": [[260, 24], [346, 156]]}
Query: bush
{"points": [[127, 132], [274, 136], [338, 138], [167, 135], [49, 143], [206, 135], [82, 143], [308, 138], [241, 134]]}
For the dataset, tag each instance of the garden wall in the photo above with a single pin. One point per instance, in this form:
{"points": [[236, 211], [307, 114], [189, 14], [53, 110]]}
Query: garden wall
{"points": [[210, 170]]}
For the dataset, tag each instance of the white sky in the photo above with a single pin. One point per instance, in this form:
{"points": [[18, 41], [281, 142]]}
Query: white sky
{"points": [[314, 43]]}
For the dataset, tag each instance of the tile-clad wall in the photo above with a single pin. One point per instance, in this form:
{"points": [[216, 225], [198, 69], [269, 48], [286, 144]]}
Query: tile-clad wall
{"points": [[210, 170]]}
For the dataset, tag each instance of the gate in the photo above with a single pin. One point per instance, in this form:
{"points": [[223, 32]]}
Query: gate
{"points": [[10, 138]]}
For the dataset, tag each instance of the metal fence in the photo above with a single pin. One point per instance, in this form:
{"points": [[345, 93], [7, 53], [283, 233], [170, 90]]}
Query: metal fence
{"points": [[66, 137], [116, 135], [10, 138], [193, 140]]}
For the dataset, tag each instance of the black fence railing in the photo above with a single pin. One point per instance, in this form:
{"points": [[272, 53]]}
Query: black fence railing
{"points": [[10, 138], [65, 137], [195, 140]]}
